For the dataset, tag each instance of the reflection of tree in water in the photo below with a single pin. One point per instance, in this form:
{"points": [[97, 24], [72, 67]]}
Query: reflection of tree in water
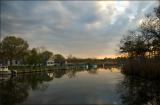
{"points": [[59, 73], [16, 89], [135, 91], [71, 73], [12, 92], [35, 80], [92, 71], [108, 67]]}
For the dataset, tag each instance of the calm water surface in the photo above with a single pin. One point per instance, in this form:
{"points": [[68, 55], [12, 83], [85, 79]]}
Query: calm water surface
{"points": [[95, 86]]}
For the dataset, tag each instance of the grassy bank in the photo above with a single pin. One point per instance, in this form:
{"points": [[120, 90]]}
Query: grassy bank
{"points": [[146, 68], [30, 69]]}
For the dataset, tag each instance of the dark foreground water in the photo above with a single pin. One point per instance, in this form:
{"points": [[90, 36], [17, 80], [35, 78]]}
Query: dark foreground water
{"points": [[100, 86]]}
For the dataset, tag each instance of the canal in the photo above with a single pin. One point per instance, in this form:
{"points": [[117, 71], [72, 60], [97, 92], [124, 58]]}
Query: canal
{"points": [[94, 86]]}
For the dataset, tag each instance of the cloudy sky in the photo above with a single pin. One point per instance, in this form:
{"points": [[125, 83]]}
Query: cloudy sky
{"points": [[80, 28]]}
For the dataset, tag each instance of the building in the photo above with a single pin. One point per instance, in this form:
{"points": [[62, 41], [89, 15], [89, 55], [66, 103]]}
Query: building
{"points": [[9, 63], [54, 62], [60, 62], [50, 62]]}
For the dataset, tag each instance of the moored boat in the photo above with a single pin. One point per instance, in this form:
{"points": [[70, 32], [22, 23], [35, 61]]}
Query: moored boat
{"points": [[4, 70]]}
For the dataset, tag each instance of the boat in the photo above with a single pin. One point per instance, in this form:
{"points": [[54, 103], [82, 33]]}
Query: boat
{"points": [[5, 71], [93, 66]]}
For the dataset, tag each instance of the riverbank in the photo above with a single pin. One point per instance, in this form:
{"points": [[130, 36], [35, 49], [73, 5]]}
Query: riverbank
{"points": [[32, 69], [146, 68]]}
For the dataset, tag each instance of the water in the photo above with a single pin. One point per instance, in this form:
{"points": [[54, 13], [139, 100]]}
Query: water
{"points": [[95, 86]]}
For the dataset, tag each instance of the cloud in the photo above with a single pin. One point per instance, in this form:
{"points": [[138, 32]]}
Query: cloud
{"points": [[81, 28]]}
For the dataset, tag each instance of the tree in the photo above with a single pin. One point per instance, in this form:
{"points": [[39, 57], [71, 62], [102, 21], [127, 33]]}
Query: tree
{"points": [[133, 44], [14, 48], [146, 39], [34, 58], [150, 27], [59, 57], [38, 58], [127, 44], [46, 55], [157, 11], [72, 59], [1, 54]]}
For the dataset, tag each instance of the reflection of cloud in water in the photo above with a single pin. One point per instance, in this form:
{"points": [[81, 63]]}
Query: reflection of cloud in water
{"points": [[95, 86]]}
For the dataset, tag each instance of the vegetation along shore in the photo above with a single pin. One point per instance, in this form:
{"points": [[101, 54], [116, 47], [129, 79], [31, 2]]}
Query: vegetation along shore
{"points": [[142, 47]]}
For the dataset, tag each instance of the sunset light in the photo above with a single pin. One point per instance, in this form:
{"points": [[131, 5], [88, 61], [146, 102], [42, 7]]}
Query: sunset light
{"points": [[75, 52]]}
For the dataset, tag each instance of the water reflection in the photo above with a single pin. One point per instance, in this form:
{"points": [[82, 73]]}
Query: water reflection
{"points": [[12, 92], [93, 71], [91, 86], [15, 90], [137, 91]]}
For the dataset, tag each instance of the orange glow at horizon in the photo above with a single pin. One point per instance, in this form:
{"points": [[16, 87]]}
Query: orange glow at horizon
{"points": [[111, 56]]}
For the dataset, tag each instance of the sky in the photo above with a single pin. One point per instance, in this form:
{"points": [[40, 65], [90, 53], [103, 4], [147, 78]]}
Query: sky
{"points": [[87, 29]]}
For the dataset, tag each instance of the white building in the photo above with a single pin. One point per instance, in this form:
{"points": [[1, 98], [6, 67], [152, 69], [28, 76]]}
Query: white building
{"points": [[50, 62], [53, 62]]}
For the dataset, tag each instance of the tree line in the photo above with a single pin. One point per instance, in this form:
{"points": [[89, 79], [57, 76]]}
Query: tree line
{"points": [[15, 48], [142, 47], [145, 40]]}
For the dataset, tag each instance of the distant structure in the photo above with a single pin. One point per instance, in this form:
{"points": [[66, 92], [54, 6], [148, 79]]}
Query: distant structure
{"points": [[60, 62], [14, 63], [55, 62], [50, 62]]}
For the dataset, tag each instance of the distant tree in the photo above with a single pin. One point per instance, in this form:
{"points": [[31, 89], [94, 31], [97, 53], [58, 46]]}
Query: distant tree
{"points": [[46, 55], [146, 39], [70, 56], [59, 57], [150, 27], [33, 58], [14, 48], [72, 59]]}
